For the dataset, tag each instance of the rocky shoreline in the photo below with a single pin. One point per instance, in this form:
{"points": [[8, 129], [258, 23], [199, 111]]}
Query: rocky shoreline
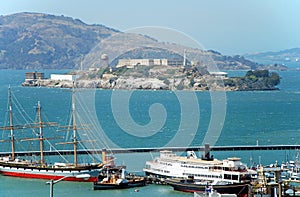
{"points": [[252, 81]]}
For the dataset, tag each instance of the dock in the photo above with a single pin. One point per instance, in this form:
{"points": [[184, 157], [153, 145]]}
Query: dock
{"points": [[145, 150]]}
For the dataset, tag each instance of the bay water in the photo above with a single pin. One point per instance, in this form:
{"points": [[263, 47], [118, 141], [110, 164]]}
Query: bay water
{"points": [[250, 118]]}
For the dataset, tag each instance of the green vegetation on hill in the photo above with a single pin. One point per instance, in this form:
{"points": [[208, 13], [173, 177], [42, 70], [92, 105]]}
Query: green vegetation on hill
{"points": [[255, 80]]}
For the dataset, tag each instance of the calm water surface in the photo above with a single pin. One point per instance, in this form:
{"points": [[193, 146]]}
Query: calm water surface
{"points": [[270, 117]]}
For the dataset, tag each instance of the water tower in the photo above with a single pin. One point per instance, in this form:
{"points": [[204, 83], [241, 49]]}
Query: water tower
{"points": [[104, 59]]}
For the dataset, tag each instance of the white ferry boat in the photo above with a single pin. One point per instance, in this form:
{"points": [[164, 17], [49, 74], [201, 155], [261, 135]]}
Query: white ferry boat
{"points": [[169, 165]]}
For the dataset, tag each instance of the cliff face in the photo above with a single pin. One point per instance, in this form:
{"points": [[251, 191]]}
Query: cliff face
{"points": [[43, 41]]}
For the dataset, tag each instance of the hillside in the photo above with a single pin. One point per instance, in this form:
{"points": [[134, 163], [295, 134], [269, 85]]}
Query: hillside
{"points": [[43, 41], [281, 57], [35, 41]]}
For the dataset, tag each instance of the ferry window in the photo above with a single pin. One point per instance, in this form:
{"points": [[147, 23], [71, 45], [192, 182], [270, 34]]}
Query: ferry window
{"points": [[235, 177]]}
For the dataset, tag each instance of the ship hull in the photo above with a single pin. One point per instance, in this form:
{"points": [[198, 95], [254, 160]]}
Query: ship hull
{"points": [[234, 188], [69, 174], [107, 186], [99, 186]]}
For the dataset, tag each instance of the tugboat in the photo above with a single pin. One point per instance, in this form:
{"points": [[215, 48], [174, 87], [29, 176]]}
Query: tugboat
{"points": [[114, 178]]}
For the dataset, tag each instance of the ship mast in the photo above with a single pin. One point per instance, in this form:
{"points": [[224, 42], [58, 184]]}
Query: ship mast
{"points": [[74, 128], [74, 124], [39, 124], [11, 126], [41, 137]]}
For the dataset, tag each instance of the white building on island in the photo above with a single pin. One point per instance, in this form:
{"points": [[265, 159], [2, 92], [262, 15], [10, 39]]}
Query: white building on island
{"points": [[63, 77], [131, 63], [219, 74]]}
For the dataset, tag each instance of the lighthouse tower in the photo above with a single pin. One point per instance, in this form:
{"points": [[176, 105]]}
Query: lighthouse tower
{"points": [[184, 58]]}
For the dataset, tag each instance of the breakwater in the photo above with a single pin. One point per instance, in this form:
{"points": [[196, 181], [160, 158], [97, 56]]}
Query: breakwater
{"points": [[175, 149]]}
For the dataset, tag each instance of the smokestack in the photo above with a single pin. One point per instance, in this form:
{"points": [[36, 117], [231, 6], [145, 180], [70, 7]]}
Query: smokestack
{"points": [[206, 151], [104, 156]]}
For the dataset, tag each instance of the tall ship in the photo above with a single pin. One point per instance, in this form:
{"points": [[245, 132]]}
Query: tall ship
{"points": [[17, 167], [206, 169]]}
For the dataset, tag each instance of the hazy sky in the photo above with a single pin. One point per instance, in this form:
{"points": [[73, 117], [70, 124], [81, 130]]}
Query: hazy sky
{"points": [[228, 26]]}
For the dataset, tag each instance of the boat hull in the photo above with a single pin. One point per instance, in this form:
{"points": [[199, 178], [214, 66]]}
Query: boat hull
{"points": [[234, 188], [105, 186], [69, 174], [130, 184]]}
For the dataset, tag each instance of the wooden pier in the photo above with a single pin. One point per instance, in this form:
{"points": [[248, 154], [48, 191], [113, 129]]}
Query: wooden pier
{"points": [[145, 150]]}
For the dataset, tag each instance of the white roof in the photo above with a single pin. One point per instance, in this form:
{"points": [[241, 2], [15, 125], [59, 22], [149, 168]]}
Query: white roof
{"points": [[218, 73]]}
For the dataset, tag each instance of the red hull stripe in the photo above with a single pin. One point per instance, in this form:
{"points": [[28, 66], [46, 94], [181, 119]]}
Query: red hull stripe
{"points": [[188, 190], [46, 176]]}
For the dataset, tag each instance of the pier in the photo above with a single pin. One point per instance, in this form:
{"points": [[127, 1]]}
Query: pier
{"points": [[145, 150]]}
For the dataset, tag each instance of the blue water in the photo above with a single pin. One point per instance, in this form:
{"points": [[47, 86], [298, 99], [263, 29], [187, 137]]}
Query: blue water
{"points": [[267, 117]]}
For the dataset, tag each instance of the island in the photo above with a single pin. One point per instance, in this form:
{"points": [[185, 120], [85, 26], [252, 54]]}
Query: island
{"points": [[158, 77]]}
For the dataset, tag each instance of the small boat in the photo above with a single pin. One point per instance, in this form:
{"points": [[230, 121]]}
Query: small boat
{"points": [[210, 192], [114, 178], [222, 187]]}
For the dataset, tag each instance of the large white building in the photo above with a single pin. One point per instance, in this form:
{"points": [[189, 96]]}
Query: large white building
{"points": [[131, 63]]}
